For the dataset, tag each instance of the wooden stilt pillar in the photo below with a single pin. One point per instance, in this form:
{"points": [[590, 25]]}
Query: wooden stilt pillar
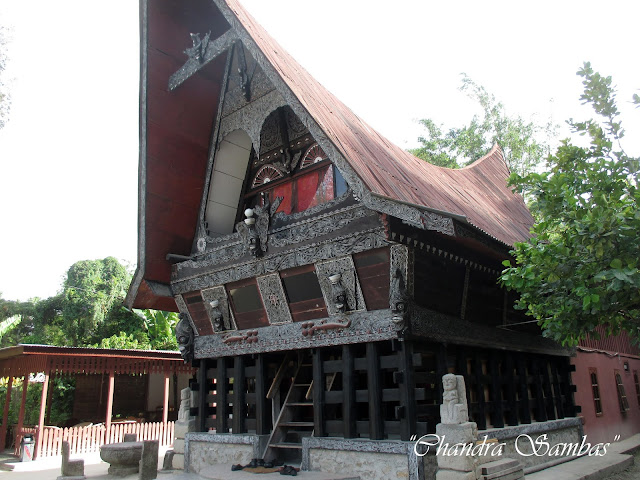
{"points": [[349, 429], [262, 412], [203, 391], [5, 415], [165, 402], [376, 420], [43, 409], [239, 395], [319, 427], [107, 421], [408, 415], [222, 403]]}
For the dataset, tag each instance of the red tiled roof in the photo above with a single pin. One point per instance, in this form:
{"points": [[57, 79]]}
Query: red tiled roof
{"points": [[478, 192]]}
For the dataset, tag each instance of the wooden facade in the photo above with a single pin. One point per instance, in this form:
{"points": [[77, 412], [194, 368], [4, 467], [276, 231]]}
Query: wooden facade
{"points": [[325, 279]]}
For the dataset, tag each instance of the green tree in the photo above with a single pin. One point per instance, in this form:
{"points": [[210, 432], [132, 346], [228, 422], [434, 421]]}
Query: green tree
{"points": [[580, 269], [524, 143], [93, 292]]}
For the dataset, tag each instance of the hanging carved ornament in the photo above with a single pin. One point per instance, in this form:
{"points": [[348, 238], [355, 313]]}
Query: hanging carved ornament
{"points": [[314, 154], [199, 47], [254, 229], [399, 302], [184, 335], [266, 174], [217, 319], [338, 293]]}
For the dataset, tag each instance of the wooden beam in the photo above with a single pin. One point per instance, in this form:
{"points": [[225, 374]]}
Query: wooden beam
{"points": [[222, 411], [376, 421], [348, 393], [319, 427], [262, 413], [239, 394], [213, 50], [109, 413], [43, 408], [49, 397], [165, 400], [5, 415]]}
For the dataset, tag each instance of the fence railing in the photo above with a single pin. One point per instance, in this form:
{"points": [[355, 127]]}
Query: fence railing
{"points": [[88, 439]]}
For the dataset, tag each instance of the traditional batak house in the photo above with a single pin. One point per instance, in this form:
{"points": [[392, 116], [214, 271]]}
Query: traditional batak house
{"points": [[326, 278]]}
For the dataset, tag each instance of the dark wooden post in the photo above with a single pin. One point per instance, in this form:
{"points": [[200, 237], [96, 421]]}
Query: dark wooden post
{"points": [[23, 402], [376, 421], [512, 411], [222, 413], [5, 415], [541, 412], [497, 413], [109, 413], [43, 407], [203, 391], [481, 419], [165, 400], [239, 394], [525, 409], [319, 429], [348, 393], [262, 414], [49, 397], [408, 415]]}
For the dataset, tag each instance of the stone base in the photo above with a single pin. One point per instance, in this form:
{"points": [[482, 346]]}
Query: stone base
{"points": [[178, 445], [74, 477], [182, 427], [178, 461], [122, 470]]}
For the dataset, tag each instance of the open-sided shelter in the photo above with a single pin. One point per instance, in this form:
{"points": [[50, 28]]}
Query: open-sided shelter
{"points": [[97, 399]]}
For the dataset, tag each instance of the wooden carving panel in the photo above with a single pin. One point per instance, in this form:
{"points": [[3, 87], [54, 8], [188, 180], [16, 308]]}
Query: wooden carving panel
{"points": [[274, 299]]}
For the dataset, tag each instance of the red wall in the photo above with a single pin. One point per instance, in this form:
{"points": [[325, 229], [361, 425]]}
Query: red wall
{"points": [[612, 422]]}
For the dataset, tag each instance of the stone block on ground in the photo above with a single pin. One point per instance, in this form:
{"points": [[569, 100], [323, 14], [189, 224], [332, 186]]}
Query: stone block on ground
{"points": [[167, 462], [454, 475], [182, 427], [178, 461], [149, 461], [70, 468], [130, 437], [504, 469]]}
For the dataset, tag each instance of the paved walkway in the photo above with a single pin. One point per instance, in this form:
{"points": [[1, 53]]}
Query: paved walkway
{"points": [[618, 464]]}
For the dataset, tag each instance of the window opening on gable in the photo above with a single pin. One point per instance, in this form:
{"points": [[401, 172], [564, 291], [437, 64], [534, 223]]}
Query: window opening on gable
{"points": [[303, 293], [635, 380], [595, 390], [372, 267], [247, 304], [622, 395]]}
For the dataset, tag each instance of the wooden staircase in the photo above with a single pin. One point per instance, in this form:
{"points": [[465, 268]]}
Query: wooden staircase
{"points": [[295, 420]]}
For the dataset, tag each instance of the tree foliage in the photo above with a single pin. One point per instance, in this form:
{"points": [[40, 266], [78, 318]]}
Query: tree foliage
{"points": [[580, 269], [523, 142], [89, 311]]}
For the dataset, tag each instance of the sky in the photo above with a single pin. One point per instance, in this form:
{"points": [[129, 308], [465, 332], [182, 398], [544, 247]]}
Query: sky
{"points": [[69, 151]]}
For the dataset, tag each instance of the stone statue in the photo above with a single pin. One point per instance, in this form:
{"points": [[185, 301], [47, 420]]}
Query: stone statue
{"points": [[184, 335], [454, 409], [185, 404]]}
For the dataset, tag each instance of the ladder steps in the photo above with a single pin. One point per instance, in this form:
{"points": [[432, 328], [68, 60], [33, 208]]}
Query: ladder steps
{"points": [[299, 404], [296, 424], [295, 446]]}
